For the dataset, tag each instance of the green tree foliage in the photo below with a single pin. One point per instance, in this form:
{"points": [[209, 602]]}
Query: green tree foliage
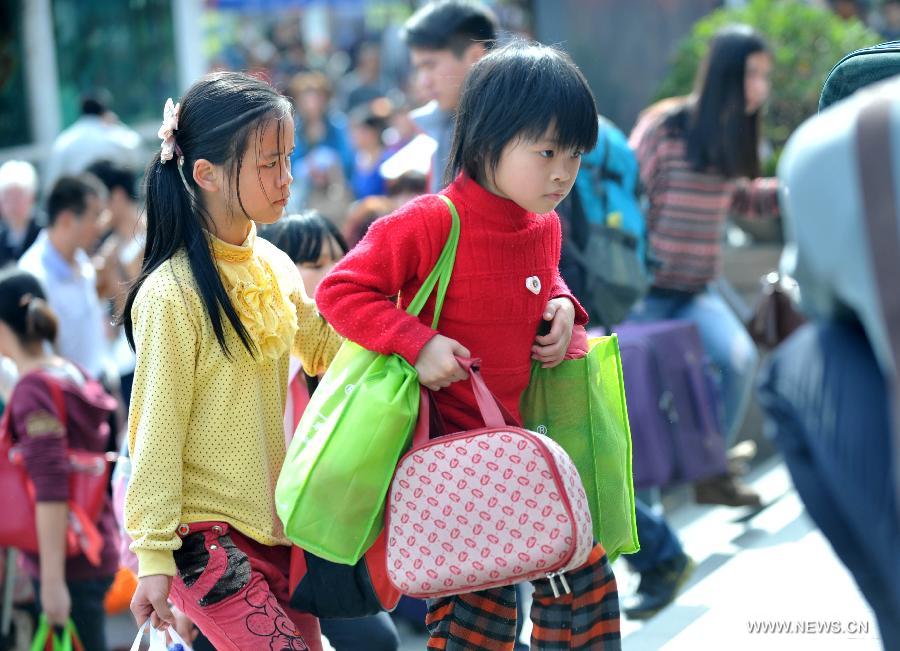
{"points": [[806, 42]]}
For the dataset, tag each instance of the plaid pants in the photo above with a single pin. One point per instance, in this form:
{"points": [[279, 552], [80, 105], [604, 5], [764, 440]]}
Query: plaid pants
{"points": [[587, 618]]}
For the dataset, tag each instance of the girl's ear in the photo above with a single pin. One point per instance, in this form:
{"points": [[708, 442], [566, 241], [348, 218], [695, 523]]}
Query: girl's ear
{"points": [[207, 175]]}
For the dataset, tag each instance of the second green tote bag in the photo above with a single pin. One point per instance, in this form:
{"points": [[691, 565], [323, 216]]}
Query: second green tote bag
{"points": [[580, 404]]}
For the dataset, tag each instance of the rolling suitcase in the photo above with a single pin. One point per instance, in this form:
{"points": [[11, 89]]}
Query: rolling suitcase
{"points": [[673, 404]]}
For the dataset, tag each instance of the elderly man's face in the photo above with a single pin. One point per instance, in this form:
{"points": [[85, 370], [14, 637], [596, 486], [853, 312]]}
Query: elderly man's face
{"points": [[16, 204]]}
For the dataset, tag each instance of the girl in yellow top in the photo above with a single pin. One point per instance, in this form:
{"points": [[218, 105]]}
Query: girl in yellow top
{"points": [[214, 318]]}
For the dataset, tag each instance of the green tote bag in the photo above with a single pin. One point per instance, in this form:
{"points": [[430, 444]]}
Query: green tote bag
{"points": [[331, 491], [580, 404], [46, 639]]}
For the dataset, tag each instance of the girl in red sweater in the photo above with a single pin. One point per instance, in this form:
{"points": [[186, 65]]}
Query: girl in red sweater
{"points": [[525, 116]]}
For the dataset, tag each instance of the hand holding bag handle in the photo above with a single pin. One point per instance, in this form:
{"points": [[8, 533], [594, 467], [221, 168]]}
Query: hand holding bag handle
{"points": [[492, 411], [158, 638]]}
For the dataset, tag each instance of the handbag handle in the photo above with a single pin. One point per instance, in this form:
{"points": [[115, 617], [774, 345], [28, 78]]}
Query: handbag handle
{"points": [[441, 272], [490, 408], [492, 411]]}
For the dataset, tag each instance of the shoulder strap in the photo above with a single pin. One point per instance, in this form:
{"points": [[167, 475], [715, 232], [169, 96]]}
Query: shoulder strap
{"points": [[442, 270], [877, 179]]}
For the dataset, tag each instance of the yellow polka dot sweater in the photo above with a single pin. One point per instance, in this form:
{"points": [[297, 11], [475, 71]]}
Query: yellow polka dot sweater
{"points": [[205, 431]]}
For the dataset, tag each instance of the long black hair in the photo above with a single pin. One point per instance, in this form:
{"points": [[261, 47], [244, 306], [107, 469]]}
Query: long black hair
{"points": [[303, 236], [217, 116], [720, 134], [517, 91]]}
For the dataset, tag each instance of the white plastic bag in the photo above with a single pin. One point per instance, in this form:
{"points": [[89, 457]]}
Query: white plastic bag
{"points": [[158, 639]]}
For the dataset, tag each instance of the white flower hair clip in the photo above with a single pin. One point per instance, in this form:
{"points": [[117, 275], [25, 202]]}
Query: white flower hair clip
{"points": [[167, 131]]}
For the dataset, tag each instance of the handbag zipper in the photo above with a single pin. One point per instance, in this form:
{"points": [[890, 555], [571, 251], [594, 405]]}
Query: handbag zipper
{"points": [[551, 576]]}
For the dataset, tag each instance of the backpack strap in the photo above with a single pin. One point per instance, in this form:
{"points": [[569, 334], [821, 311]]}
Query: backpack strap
{"points": [[877, 180]]}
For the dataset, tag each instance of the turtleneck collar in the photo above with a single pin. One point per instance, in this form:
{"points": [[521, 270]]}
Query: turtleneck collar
{"points": [[486, 205], [225, 252]]}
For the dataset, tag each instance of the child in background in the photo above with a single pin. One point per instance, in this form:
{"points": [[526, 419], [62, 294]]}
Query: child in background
{"points": [[214, 317], [514, 158], [315, 245]]}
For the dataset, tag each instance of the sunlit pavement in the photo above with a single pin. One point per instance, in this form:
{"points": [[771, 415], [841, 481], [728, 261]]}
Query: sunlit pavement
{"points": [[770, 569]]}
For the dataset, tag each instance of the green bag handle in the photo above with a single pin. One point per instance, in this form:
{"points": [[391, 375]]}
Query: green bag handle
{"points": [[44, 631], [440, 274]]}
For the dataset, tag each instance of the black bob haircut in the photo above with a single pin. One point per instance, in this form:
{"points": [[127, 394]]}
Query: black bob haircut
{"points": [[451, 25], [518, 91], [303, 236]]}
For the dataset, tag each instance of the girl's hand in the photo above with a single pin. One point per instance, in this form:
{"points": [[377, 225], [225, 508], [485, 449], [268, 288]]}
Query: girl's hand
{"points": [[151, 600], [551, 348], [436, 364], [56, 603]]}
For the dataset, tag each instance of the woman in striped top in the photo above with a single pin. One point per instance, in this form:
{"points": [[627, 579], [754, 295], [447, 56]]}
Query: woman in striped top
{"points": [[699, 158]]}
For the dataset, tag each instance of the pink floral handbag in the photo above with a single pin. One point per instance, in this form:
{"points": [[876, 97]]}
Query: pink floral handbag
{"points": [[484, 508]]}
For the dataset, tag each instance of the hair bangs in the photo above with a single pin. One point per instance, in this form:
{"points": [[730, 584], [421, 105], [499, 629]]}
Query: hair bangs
{"points": [[573, 116]]}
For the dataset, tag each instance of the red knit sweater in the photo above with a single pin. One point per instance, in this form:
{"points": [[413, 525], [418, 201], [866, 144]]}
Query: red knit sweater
{"points": [[488, 308]]}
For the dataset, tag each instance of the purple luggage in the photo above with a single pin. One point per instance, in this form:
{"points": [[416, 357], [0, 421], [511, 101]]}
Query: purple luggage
{"points": [[673, 404]]}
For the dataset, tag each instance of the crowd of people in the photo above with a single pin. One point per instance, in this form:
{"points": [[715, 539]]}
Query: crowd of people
{"points": [[185, 308]]}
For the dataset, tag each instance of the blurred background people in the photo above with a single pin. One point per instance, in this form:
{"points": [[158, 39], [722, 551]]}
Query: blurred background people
{"points": [[445, 39], [56, 406], [699, 162], [830, 390], [96, 135], [59, 260], [20, 220], [368, 124], [118, 259]]}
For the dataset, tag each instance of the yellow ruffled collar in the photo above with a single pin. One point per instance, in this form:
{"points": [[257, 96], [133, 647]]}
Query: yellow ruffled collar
{"points": [[264, 309], [225, 252]]}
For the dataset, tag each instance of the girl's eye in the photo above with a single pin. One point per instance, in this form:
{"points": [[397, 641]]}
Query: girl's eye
{"points": [[547, 153], [271, 165], [578, 154]]}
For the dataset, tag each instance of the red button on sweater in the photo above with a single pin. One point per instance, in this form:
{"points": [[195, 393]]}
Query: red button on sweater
{"points": [[491, 307]]}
